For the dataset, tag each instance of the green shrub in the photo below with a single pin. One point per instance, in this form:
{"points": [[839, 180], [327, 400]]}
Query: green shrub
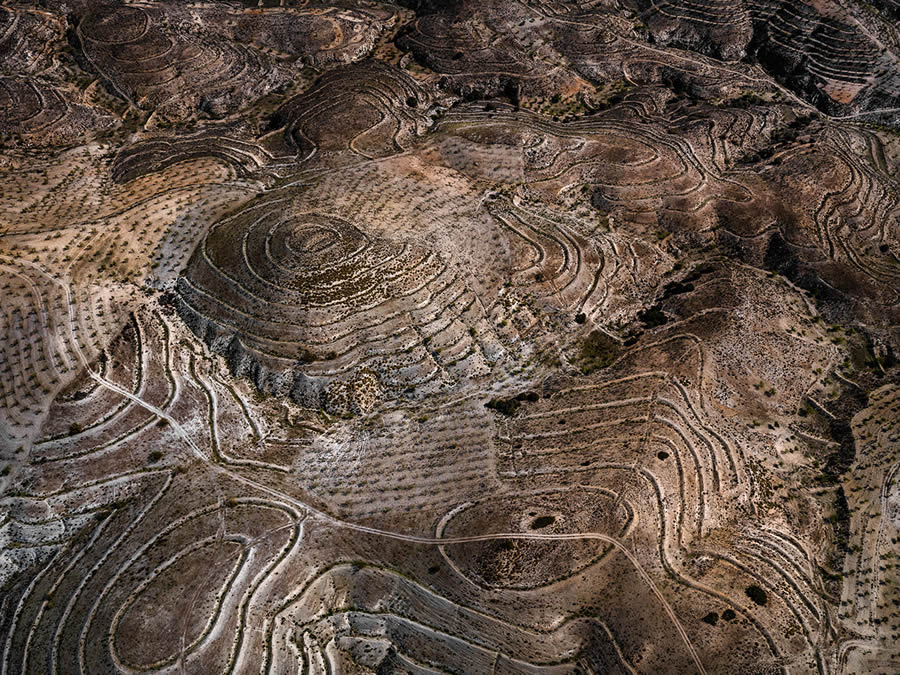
{"points": [[509, 406], [757, 595], [598, 350], [652, 317]]}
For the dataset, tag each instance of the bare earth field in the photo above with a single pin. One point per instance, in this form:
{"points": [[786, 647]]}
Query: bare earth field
{"points": [[451, 336]]}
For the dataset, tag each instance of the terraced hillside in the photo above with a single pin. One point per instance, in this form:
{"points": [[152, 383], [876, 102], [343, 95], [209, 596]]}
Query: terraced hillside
{"points": [[469, 337]]}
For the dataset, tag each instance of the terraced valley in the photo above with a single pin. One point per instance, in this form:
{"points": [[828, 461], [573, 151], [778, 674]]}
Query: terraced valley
{"points": [[450, 336]]}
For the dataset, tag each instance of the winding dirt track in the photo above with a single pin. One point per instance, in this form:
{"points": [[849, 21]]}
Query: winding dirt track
{"points": [[414, 539], [336, 522]]}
